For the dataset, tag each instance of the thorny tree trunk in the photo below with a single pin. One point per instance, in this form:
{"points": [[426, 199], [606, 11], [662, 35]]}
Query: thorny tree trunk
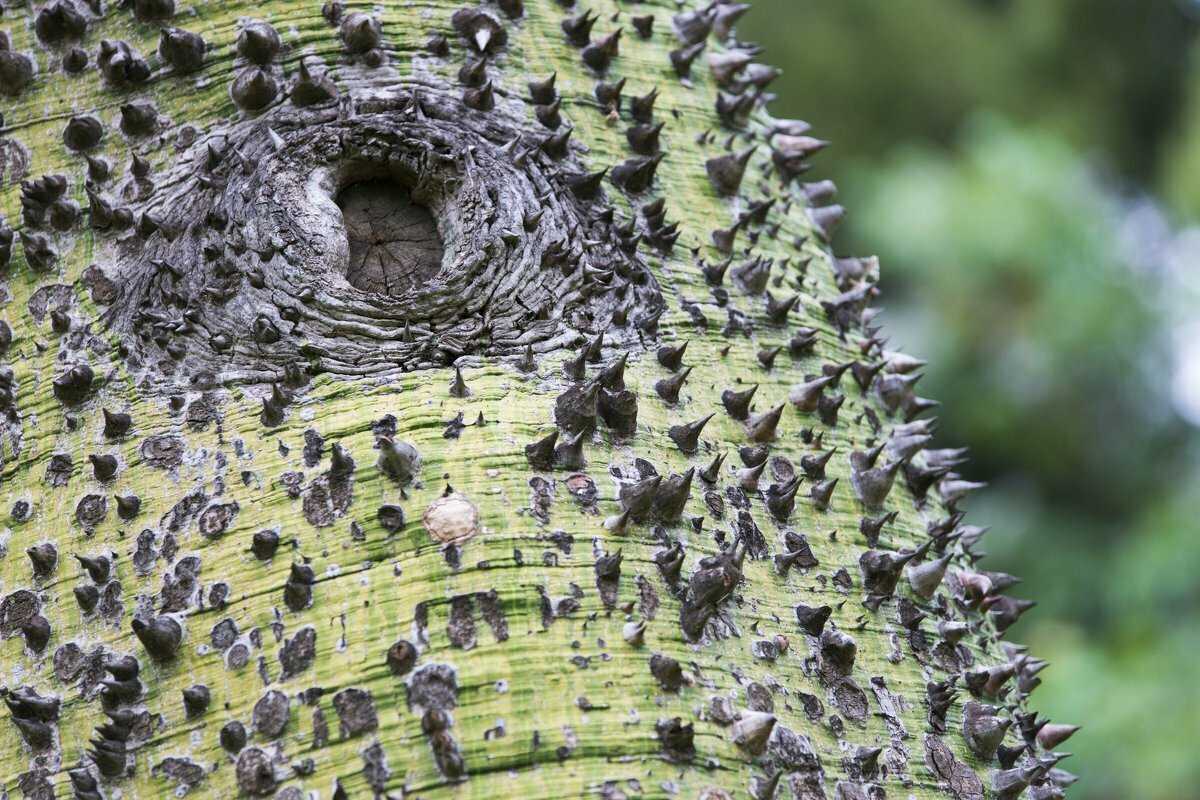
{"points": [[450, 400]]}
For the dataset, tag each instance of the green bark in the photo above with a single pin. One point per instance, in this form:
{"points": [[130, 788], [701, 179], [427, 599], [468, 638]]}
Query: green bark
{"points": [[551, 705]]}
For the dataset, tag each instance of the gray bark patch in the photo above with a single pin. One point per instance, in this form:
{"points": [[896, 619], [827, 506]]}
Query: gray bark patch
{"points": [[461, 628], [216, 519], [16, 609], [493, 614], [58, 471], [68, 662], [792, 751], [314, 448], [297, 653], [850, 700], [183, 771], [433, 687], [224, 634], [163, 451], [255, 773], [375, 768], [271, 714], [960, 778], [356, 712], [320, 728], [647, 598], [47, 298], [91, 510]]}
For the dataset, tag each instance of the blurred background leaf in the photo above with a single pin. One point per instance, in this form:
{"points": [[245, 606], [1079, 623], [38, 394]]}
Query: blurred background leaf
{"points": [[1029, 173]]}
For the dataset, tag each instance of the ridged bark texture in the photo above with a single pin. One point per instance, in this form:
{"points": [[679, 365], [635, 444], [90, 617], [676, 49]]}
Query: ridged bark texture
{"points": [[282, 524]]}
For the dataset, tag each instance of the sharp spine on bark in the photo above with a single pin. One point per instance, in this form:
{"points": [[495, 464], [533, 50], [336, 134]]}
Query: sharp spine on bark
{"points": [[712, 473], [160, 635], [761, 427], [687, 436], [668, 388]]}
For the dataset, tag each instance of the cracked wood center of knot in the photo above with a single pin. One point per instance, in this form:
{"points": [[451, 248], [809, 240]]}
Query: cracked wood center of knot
{"points": [[394, 241]]}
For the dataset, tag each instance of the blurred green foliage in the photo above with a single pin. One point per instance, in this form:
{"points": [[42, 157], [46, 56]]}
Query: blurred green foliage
{"points": [[1105, 74], [990, 151], [1040, 338]]}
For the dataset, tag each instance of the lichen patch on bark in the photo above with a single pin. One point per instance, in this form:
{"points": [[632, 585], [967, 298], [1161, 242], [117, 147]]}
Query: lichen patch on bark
{"points": [[452, 519]]}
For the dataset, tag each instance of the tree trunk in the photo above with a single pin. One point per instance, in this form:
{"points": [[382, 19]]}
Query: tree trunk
{"points": [[437, 400]]}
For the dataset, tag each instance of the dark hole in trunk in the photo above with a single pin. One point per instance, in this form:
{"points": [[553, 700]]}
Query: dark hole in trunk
{"points": [[394, 241]]}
